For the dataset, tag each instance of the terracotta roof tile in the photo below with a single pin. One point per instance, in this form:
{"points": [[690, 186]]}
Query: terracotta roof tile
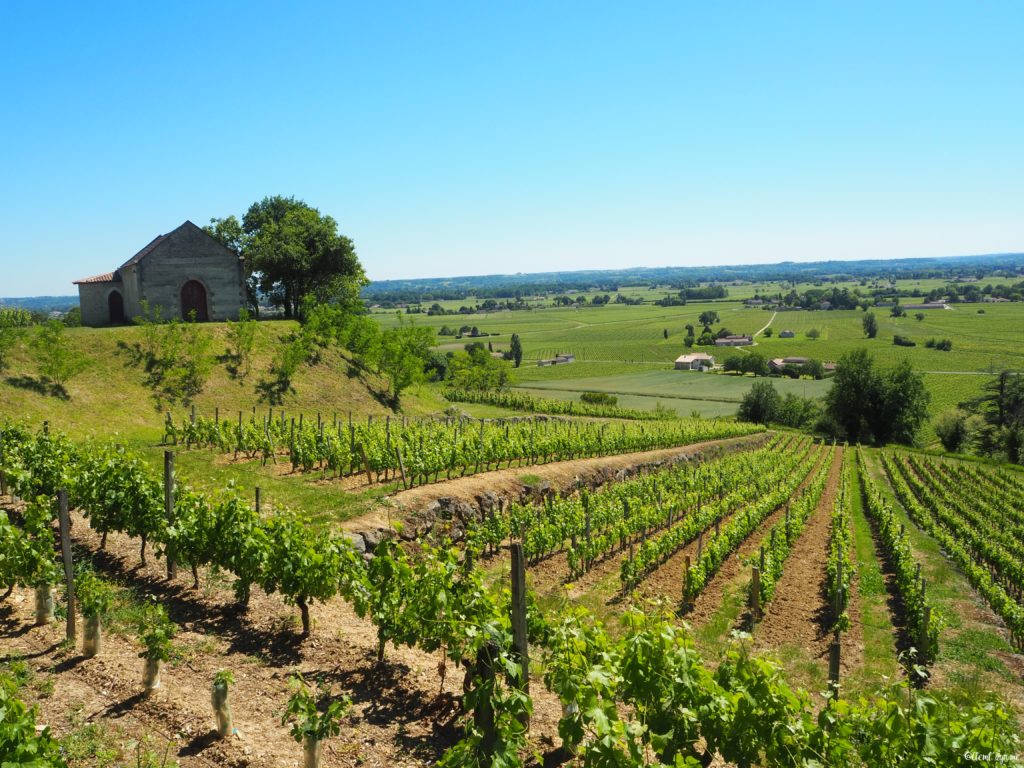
{"points": [[106, 277]]}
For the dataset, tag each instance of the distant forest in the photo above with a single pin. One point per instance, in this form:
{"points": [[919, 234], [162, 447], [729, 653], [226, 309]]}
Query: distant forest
{"points": [[41, 303], [519, 285]]}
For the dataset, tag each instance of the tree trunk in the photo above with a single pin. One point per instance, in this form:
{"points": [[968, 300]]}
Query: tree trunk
{"points": [[304, 610]]}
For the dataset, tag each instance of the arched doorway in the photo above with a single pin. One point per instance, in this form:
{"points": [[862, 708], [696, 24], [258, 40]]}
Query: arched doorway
{"points": [[193, 299], [115, 308]]}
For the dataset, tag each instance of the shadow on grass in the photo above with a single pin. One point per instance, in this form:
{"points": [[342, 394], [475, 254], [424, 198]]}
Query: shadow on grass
{"points": [[39, 385]]}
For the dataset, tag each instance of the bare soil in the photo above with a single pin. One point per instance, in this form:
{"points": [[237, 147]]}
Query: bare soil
{"points": [[668, 579], [401, 715], [799, 614]]}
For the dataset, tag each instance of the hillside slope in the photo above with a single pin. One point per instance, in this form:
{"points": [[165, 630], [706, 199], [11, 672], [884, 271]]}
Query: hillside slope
{"points": [[109, 395]]}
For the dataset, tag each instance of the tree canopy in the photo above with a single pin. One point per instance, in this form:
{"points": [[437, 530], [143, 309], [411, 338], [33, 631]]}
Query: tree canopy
{"points": [[870, 406], [293, 253]]}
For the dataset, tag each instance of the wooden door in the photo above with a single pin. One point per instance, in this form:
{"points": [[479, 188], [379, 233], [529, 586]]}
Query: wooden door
{"points": [[193, 299], [115, 308]]}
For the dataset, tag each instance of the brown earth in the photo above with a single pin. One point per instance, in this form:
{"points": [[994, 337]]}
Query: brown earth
{"points": [[401, 714], [668, 580], [798, 613]]}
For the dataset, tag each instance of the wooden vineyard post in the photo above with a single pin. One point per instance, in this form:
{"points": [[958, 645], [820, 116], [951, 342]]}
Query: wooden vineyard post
{"points": [[65, 550], [925, 621], [837, 608], [483, 715], [172, 566], [834, 654], [755, 593], [3, 475], [193, 416], [351, 443], [586, 530], [258, 499], [216, 416], [718, 527], [700, 545], [366, 463], [520, 643], [686, 579], [401, 467]]}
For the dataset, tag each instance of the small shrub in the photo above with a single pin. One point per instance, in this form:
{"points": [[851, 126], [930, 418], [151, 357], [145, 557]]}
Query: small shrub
{"points": [[304, 711], [903, 341], [599, 398], [155, 632]]}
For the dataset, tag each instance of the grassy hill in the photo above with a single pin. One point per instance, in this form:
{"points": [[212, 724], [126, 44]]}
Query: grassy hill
{"points": [[109, 401], [109, 396]]}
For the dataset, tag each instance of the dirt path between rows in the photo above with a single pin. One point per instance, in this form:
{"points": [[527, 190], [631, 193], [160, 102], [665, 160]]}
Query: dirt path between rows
{"points": [[710, 599], [799, 614], [401, 715]]}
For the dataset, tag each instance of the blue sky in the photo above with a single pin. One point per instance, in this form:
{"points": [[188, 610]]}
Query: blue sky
{"points": [[473, 138]]}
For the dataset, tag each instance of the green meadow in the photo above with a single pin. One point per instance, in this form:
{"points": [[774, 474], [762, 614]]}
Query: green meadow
{"points": [[623, 349]]}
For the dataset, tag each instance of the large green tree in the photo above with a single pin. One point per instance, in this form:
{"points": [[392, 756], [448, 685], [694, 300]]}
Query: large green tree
{"points": [[516, 348], [870, 325], [761, 404], [1002, 407], [871, 406], [293, 253]]}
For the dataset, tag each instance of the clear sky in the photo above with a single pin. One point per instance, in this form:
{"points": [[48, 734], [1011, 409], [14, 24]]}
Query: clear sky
{"points": [[474, 138]]}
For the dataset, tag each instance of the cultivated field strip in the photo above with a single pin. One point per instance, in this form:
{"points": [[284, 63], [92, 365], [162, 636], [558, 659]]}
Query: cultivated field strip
{"points": [[777, 545], [423, 451], [591, 526], [743, 524], [773, 468], [1005, 503], [962, 544], [922, 631], [991, 544], [839, 565]]}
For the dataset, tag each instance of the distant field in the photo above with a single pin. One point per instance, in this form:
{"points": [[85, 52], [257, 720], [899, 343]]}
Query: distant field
{"points": [[623, 349], [685, 385], [682, 407]]}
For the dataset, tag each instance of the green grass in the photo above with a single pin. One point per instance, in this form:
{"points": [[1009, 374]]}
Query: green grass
{"points": [[969, 649], [109, 402], [682, 407], [684, 385], [109, 399], [876, 624]]}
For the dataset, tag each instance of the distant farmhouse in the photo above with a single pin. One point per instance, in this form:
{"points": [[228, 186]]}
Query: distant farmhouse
{"points": [[557, 360], [734, 341], [699, 361], [927, 305], [182, 272]]}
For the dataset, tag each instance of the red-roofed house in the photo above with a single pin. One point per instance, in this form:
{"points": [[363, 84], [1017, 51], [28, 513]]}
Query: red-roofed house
{"points": [[182, 272]]}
